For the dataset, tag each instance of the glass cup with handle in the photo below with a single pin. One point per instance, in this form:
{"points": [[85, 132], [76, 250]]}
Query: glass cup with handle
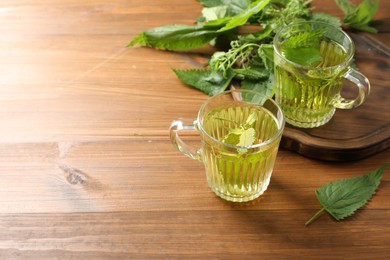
{"points": [[240, 131], [312, 59]]}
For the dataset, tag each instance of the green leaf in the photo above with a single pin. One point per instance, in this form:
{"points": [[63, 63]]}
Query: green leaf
{"points": [[214, 13], [342, 198], [247, 138], [302, 48], [346, 6], [224, 61], [177, 37], [326, 18], [280, 13], [309, 57], [363, 15], [211, 3], [250, 73], [232, 138], [359, 17], [265, 34], [241, 18], [251, 119], [216, 24], [266, 53], [265, 87], [208, 81], [234, 7], [303, 39], [244, 135]]}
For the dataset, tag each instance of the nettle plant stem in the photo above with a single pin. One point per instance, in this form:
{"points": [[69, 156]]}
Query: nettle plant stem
{"points": [[315, 216]]}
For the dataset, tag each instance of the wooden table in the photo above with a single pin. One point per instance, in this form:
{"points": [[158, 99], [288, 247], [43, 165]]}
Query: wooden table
{"points": [[87, 168]]}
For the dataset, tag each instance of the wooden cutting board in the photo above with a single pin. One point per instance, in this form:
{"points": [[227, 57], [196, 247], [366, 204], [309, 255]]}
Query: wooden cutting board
{"points": [[360, 132]]}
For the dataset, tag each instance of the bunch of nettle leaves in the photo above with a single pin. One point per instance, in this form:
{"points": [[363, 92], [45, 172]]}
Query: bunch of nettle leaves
{"points": [[248, 60]]}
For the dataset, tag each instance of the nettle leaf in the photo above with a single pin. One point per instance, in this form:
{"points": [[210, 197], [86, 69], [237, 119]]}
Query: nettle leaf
{"points": [[243, 136], [214, 13], [342, 198], [208, 81], [359, 17], [265, 87], [177, 37], [247, 138], [241, 18], [282, 12], [258, 36], [250, 73], [326, 18], [234, 6], [211, 3], [251, 119], [232, 138], [309, 57], [346, 6], [266, 53], [364, 14], [304, 39]]}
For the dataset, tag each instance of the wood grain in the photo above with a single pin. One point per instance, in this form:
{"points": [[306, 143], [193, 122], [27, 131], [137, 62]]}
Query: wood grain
{"points": [[87, 168]]}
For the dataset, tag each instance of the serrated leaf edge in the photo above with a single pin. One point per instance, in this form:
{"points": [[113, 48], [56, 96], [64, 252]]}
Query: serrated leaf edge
{"points": [[380, 170]]}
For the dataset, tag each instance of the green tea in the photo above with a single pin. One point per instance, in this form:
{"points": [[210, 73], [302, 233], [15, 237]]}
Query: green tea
{"points": [[240, 169], [307, 95]]}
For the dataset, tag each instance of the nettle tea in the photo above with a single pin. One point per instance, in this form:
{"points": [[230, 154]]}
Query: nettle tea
{"points": [[311, 62], [240, 133], [236, 170], [307, 96]]}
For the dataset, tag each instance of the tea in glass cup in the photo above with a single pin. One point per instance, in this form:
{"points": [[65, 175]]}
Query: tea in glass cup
{"points": [[312, 59], [240, 133]]}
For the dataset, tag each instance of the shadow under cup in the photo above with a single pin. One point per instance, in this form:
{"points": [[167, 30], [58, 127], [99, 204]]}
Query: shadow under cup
{"points": [[240, 134]]}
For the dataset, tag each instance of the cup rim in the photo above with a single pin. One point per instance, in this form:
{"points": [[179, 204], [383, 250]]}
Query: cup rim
{"points": [[280, 123], [345, 63]]}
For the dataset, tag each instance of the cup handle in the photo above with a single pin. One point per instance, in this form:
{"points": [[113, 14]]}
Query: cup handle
{"points": [[363, 86], [184, 124]]}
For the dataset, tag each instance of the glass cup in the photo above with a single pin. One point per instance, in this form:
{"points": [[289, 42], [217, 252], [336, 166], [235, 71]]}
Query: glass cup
{"points": [[310, 74], [240, 131]]}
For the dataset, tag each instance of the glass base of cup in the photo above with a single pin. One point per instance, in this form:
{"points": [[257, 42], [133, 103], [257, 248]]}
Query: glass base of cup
{"points": [[238, 198], [314, 122], [244, 197]]}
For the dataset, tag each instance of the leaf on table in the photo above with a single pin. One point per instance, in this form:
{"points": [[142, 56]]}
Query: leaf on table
{"points": [[214, 13], [177, 37], [359, 17], [208, 81], [241, 18], [282, 12], [238, 5], [264, 86], [266, 54], [326, 18], [346, 6], [342, 198], [258, 36], [251, 73], [233, 7]]}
